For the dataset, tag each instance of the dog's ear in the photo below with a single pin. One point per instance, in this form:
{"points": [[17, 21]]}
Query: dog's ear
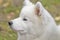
{"points": [[27, 2], [38, 8]]}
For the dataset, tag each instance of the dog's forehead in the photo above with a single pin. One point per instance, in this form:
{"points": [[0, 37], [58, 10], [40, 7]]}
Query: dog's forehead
{"points": [[27, 10]]}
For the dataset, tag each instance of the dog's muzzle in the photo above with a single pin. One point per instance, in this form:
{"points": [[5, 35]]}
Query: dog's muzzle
{"points": [[10, 23]]}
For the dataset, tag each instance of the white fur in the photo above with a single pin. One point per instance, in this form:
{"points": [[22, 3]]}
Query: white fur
{"points": [[37, 27]]}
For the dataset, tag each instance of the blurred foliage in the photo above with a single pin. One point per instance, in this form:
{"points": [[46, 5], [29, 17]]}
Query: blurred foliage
{"points": [[10, 9]]}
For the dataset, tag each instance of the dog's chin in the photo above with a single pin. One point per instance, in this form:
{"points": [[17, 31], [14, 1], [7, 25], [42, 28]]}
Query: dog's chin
{"points": [[20, 31]]}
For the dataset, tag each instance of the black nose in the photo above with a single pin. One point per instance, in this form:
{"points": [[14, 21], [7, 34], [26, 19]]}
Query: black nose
{"points": [[10, 23]]}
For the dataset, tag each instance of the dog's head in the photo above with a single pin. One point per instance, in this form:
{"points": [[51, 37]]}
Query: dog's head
{"points": [[29, 19]]}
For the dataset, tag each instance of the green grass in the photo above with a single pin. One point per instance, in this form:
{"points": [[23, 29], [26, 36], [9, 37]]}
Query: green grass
{"points": [[7, 34]]}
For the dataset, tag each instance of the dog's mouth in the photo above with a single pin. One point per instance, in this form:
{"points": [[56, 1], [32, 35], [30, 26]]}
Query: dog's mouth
{"points": [[15, 30]]}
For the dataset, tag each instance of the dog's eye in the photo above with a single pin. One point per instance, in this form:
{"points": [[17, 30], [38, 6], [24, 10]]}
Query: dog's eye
{"points": [[24, 19]]}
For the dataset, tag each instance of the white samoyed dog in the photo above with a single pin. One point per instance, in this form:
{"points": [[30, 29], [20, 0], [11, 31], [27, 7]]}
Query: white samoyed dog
{"points": [[35, 23]]}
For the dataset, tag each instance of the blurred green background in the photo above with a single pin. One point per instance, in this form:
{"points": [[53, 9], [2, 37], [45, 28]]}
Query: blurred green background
{"points": [[10, 9]]}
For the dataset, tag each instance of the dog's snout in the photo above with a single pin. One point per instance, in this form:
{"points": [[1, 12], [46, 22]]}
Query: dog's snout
{"points": [[10, 22]]}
